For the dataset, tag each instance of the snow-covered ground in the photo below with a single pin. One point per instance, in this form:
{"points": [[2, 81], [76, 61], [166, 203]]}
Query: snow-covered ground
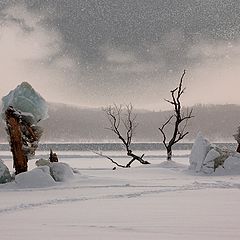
{"points": [[158, 201]]}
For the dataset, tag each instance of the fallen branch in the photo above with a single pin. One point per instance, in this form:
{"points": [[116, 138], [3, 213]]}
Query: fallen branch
{"points": [[128, 165], [114, 162]]}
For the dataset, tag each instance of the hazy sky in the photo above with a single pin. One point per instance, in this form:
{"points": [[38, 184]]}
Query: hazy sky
{"points": [[96, 52]]}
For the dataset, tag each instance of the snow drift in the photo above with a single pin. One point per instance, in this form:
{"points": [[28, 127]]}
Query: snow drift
{"points": [[36, 178], [46, 174]]}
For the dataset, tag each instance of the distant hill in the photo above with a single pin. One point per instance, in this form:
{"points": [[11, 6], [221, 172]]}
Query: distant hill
{"points": [[70, 123]]}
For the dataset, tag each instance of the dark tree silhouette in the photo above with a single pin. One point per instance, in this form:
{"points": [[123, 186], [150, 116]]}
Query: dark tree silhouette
{"points": [[122, 122], [237, 138], [178, 120]]}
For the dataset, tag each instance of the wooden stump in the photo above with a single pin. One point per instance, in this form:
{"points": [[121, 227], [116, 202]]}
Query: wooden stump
{"points": [[53, 156], [238, 148], [16, 143]]}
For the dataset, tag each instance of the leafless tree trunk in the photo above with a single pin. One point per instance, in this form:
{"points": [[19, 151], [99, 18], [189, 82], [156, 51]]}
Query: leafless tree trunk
{"points": [[123, 124], [23, 138], [16, 143], [179, 119]]}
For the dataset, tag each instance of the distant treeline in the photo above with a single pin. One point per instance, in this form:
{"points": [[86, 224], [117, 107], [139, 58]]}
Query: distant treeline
{"points": [[69, 123]]}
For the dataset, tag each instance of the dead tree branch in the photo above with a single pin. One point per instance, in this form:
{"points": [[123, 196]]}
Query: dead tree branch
{"points": [[179, 119]]}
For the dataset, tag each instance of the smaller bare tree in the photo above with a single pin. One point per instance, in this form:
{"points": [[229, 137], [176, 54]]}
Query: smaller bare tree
{"points": [[178, 120], [123, 124]]}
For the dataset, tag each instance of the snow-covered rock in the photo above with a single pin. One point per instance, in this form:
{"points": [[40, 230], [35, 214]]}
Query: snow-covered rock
{"points": [[61, 172], [5, 175], [26, 100], [42, 162], [208, 163], [37, 178], [211, 155], [208, 158], [199, 151], [232, 163]]}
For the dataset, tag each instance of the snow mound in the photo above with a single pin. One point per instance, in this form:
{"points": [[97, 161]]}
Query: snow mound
{"points": [[45, 175], [26, 100], [5, 175], [61, 172], [37, 178], [171, 164], [208, 158]]}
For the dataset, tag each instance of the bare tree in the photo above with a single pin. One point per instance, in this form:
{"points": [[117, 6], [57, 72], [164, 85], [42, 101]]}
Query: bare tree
{"points": [[122, 122], [178, 120]]}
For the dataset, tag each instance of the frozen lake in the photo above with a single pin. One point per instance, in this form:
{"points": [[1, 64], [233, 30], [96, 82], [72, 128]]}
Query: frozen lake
{"points": [[157, 201], [84, 154]]}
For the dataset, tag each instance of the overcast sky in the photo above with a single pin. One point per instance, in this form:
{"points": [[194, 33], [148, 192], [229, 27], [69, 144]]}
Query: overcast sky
{"points": [[96, 52]]}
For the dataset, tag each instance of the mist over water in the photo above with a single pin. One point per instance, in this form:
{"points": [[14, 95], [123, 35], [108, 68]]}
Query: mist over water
{"points": [[93, 53], [66, 124]]}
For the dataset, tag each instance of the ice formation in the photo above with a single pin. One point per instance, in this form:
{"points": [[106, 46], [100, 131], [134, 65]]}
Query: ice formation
{"points": [[199, 151], [27, 101], [208, 158], [27, 107]]}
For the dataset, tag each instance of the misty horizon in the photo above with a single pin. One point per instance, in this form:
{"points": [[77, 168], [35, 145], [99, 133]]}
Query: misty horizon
{"points": [[168, 108], [67, 123]]}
